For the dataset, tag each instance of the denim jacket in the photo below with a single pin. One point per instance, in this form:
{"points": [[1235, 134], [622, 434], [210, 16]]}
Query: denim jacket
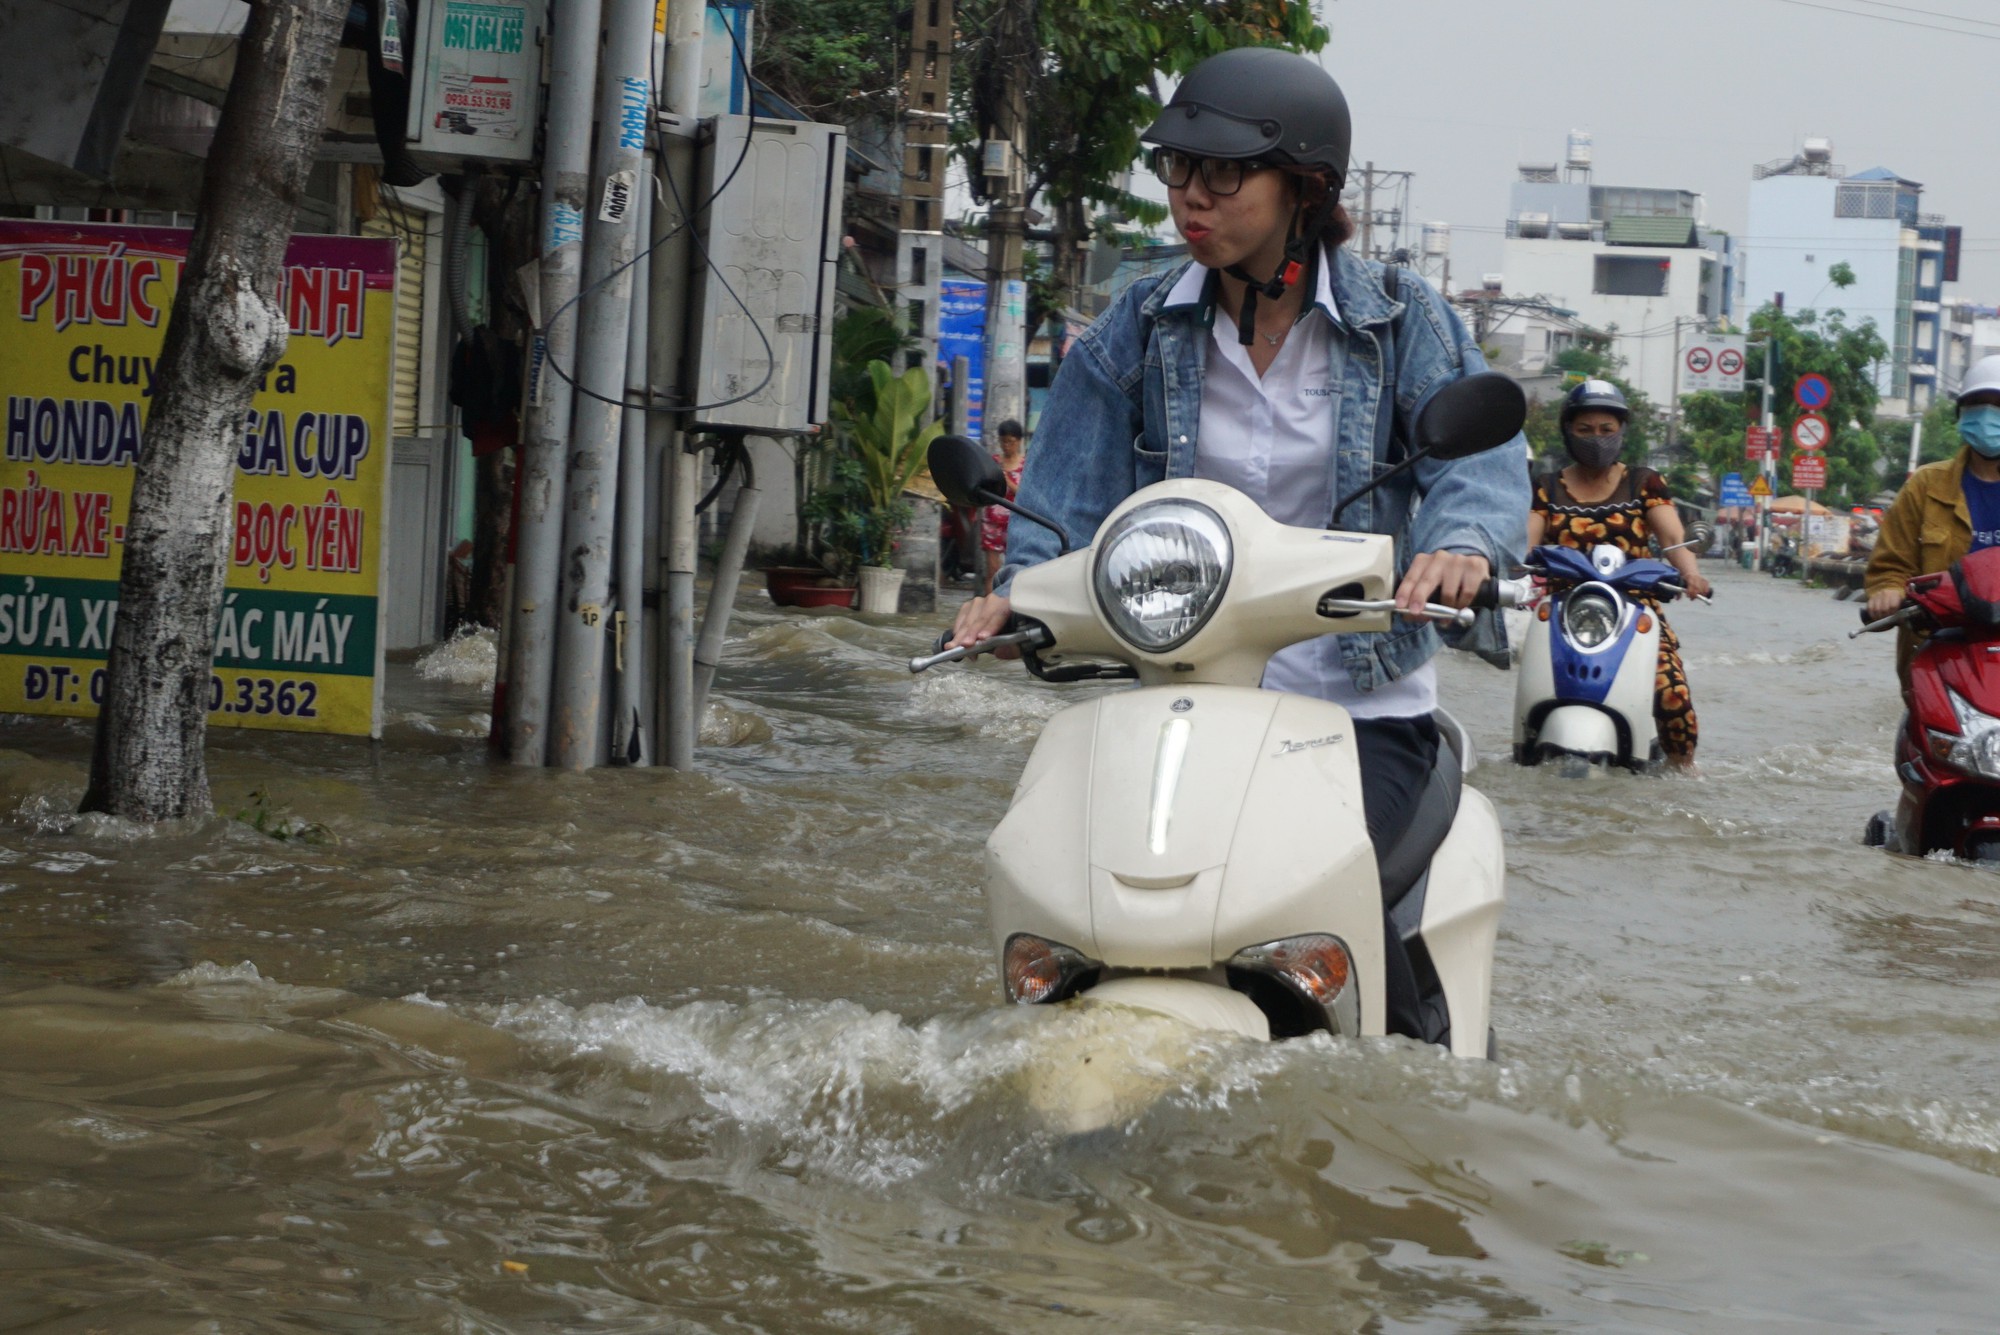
{"points": [[1126, 407]]}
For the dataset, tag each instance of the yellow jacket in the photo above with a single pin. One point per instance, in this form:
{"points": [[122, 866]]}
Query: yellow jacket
{"points": [[1926, 529]]}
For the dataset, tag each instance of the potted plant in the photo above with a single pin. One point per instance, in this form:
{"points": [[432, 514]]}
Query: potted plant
{"points": [[888, 439]]}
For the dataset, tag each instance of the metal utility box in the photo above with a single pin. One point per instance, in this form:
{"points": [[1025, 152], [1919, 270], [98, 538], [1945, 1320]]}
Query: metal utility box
{"points": [[762, 314], [476, 81]]}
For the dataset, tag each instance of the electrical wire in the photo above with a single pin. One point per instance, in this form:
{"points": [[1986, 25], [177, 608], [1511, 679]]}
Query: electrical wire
{"points": [[1907, 23], [688, 218]]}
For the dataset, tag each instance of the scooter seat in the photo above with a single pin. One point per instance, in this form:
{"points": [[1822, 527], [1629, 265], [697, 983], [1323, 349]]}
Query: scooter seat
{"points": [[1403, 863]]}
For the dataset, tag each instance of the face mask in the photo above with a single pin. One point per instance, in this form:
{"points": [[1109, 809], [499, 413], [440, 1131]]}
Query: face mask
{"points": [[1595, 451], [1979, 427]]}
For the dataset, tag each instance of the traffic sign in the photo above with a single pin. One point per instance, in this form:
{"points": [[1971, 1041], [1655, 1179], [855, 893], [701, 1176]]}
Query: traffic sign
{"points": [[1808, 471], [1713, 362], [1760, 486], [1760, 442], [1811, 432], [1733, 491], [1813, 390]]}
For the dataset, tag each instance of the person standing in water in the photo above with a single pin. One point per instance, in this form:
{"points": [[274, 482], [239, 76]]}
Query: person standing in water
{"points": [[993, 521]]}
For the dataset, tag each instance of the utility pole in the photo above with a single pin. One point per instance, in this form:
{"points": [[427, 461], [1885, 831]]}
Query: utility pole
{"points": [[624, 122], [679, 469], [531, 655], [1397, 185], [224, 332], [1770, 468], [926, 150], [1006, 393], [1368, 211]]}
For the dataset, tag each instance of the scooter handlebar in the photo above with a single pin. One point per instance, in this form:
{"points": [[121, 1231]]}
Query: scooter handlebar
{"points": [[1902, 616], [1032, 637], [1497, 592]]}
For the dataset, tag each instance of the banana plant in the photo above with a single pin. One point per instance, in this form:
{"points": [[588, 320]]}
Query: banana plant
{"points": [[890, 441]]}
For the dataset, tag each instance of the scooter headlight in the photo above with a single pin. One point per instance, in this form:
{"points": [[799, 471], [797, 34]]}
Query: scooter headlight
{"points": [[1161, 571], [1976, 749], [1590, 618], [1035, 970]]}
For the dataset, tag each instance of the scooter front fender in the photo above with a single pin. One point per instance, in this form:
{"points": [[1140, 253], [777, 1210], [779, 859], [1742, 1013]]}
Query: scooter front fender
{"points": [[1580, 730], [1189, 1000]]}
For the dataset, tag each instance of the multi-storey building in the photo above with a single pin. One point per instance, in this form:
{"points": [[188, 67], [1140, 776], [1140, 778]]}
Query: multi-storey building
{"points": [[1635, 262], [1808, 216]]}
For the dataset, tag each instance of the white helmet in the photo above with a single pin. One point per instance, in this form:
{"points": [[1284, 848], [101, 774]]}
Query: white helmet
{"points": [[1982, 375]]}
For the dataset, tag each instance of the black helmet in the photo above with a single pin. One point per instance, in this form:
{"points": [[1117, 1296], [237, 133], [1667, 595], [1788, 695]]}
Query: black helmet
{"points": [[1258, 102], [1598, 394]]}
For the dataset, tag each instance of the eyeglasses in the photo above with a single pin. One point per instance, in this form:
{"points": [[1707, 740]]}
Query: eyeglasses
{"points": [[1219, 176]]}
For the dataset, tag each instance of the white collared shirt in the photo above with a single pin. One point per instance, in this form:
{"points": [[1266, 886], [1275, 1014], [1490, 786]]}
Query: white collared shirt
{"points": [[1271, 438]]}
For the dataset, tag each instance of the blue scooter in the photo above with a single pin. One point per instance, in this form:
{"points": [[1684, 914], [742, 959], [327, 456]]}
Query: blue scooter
{"points": [[1590, 658]]}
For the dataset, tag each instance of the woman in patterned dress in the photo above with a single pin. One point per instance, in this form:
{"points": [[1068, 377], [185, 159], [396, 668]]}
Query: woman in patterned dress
{"points": [[1598, 500]]}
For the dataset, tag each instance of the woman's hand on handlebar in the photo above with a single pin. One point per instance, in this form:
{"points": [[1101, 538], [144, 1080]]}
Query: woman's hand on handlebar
{"points": [[1882, 602], [1451, 578], [981, 618]]}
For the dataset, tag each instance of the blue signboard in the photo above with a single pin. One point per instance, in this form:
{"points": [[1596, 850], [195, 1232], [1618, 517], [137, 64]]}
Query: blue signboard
{"points": [[962, 333], [1733, 490]]}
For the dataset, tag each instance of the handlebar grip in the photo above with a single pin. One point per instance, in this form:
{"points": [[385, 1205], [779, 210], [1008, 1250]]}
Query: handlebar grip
{"points": [[1488, 596]]}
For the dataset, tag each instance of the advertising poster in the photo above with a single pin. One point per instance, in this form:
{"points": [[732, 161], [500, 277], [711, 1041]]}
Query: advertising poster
{"points": [[83, 310], [962, 333]]}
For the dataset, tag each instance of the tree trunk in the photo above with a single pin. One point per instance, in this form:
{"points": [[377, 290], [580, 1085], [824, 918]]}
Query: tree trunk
{"points": [[225, 331]]}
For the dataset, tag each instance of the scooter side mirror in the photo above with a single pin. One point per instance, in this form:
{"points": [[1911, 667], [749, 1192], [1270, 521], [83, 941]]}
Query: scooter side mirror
{"points": [[966, 474], [1470, 416]]}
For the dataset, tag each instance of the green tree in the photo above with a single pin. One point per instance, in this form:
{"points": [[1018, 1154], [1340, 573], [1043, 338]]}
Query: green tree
{"points": [[839, 61], [1824, 343], [1094, 85]]}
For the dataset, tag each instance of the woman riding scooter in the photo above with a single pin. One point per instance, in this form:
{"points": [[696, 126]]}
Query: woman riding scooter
{"points": [[1598, 500], [1945, 510], [1282, 364]]}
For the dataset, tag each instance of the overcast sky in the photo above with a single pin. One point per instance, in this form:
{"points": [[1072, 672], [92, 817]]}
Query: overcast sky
{"points": [[1684, 94]]}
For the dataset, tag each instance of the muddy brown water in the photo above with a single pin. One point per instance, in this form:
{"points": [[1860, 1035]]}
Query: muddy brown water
{"points": [[639, 1051]]}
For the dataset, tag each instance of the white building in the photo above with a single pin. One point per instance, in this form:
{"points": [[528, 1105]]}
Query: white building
{"points": [[1807, 215], [1635, 262]]}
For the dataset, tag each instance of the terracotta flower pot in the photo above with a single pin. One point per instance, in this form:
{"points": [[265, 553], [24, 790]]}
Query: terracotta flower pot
{"points": [[784, 582], [813, 596]]}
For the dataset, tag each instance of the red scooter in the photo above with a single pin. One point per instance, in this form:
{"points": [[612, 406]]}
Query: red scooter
{"points": [[1948, 752]]}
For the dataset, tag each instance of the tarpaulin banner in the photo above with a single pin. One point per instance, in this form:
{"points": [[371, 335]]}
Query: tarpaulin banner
{"points": [[83, 311]]}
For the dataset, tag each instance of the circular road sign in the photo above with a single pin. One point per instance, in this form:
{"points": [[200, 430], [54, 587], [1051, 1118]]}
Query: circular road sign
{"points": [[1730, 363], [1811, 432], [1813, 391], [1699, 360]]}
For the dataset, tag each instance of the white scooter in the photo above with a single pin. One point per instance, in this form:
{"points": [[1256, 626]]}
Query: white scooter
{"points": [[1196, 847], [1583, 691]]}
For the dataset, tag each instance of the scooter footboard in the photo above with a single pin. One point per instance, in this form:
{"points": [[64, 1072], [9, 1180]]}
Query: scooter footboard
{"points": [[1467, 888]]}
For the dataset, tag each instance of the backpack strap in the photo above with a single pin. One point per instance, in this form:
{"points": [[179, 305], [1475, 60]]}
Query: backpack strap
{"points": [[1386, 415]]}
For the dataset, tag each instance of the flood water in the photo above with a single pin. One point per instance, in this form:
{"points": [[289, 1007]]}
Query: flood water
{"points": [[478, 1049]]}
